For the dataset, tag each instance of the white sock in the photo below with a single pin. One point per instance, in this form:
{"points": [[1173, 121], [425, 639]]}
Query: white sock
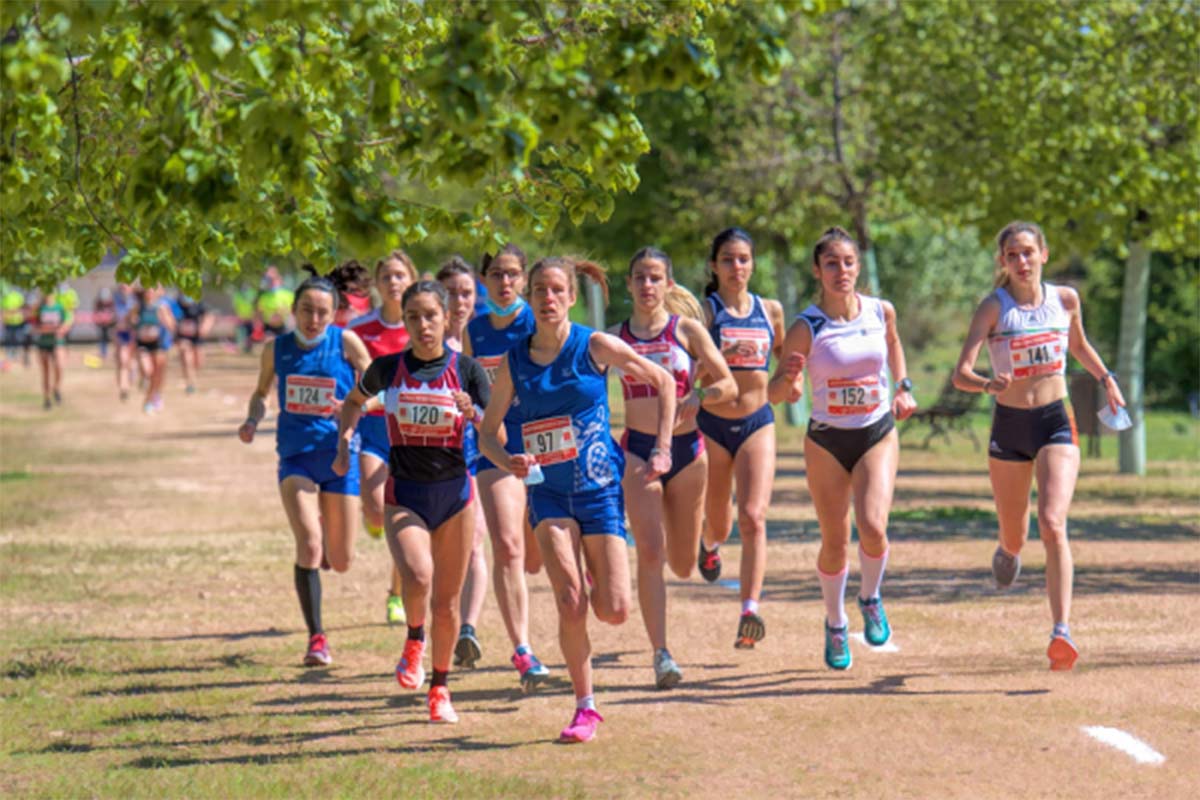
{"points": [[833, 592], [872, 572], [749, 606], [587, 701]]}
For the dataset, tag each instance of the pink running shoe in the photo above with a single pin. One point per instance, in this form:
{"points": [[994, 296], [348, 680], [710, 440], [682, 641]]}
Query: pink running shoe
{"points": [[318, 652], [440, 709], [582, 727], [409, 672]]}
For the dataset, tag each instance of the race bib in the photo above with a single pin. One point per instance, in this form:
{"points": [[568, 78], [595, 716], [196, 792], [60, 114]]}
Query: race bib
{"points": [[853, 396], [309, 394], [426, 414], [550, 440], [491, 365], [147, 333], [656, 352], [745, 347], [188, 327], [1037, 354]]}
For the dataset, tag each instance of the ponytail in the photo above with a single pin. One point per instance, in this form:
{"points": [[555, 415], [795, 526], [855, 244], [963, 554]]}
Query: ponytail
{"points": [[573, 268], [682, 303]]}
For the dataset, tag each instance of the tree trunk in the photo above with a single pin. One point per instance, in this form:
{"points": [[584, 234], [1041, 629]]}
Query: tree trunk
{"points": [[595, 305], [1131, 359], [797, 413]]}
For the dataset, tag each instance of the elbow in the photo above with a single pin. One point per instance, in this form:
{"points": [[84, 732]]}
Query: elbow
{"points": [[959, 380]]}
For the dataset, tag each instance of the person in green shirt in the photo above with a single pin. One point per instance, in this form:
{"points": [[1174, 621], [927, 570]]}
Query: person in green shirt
{"points": [[52, 320]]}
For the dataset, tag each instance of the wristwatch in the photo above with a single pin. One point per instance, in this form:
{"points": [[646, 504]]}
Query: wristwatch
{"points": [[904, 385]]}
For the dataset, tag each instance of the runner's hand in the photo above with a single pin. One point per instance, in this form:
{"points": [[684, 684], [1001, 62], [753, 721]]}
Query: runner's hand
{"points": [[999, 383], [341, 462], [903, 405], [246, 431], [465, 406], [794, 365], [520, 463], [659, 463]]}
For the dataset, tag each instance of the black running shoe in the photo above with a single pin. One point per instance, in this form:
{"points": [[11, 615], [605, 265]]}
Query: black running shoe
{"points": [[709, 563], [751, 629]]}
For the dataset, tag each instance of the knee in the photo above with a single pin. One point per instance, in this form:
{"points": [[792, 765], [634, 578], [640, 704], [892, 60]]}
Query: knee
{"points": [[872, 531], [752, 523], [835, 551], [508, 551], [682, 566], [616, 615], [572, 607], [1052, 529], [650, 556]]}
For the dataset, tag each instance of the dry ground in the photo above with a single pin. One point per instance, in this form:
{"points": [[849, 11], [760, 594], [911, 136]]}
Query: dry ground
{"points": [[152, 639]]}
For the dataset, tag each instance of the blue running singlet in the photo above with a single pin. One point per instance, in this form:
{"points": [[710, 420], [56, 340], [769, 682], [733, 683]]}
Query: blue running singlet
{"points": [[563, 417], [309, 382]]}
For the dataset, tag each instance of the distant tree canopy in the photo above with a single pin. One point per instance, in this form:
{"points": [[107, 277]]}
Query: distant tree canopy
{"points": [[202, 137]]}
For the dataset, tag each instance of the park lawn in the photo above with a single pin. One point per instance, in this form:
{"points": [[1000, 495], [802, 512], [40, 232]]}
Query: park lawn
{"points": [[152, 642]]}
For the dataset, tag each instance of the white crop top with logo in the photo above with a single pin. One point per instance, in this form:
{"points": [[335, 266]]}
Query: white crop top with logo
{"points": [[1030, 342], [847, 365]]}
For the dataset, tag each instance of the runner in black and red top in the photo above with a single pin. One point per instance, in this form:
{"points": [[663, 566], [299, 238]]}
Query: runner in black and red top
{"points": [[431, 394]]}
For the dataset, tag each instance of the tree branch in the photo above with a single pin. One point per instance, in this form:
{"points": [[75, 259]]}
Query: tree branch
{"points": [[78, 181]]}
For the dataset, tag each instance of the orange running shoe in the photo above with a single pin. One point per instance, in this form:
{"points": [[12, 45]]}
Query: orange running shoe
{"points": [[1062, 651], [440, 709], [409, 672]]}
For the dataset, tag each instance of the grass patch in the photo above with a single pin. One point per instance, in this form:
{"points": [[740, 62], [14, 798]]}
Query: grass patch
{"points": [[15, 475], [57, 665], [941, 514]]}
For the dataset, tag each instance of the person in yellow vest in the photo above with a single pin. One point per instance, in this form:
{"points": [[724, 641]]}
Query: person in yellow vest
{"points": [[243, 309], [14, 320], [274, 304]]}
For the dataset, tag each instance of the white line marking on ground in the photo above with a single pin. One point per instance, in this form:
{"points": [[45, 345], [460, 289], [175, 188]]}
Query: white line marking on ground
{"points": [[887, 647], [1127, 743], [730, 584]]}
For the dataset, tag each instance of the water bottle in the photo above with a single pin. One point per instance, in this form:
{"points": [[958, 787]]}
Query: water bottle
{"points": [[535, 475], [1116, 422]]}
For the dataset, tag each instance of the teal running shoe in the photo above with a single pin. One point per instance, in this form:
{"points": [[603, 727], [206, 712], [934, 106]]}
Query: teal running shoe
{"points": [[837, 647], [666, 672], [876, 629]]}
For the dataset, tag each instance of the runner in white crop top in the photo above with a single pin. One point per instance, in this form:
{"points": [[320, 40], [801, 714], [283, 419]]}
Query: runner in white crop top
{"points": [[852, 450], [1029, 327], [847, 365]]}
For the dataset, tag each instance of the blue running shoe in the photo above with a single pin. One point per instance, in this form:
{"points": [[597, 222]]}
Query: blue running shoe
{"points": [[467, 650], [533, 672], [876, 629], [837, 647]]}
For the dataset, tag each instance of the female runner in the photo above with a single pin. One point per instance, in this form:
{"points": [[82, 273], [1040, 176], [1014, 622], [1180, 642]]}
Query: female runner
{"points": [[153, 324], [383, 333], [457, 277], [852, 450], [52, 321], [489, 338], [665, 513], [432, 394], [195, 324], [740, 435], [1029, 327], [313, 368], [556, 381]]}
